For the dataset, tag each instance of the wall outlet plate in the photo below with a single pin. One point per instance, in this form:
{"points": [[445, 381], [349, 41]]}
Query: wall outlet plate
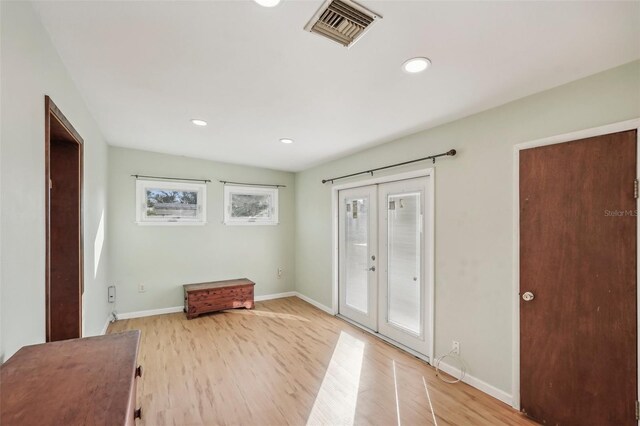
{"points": [[141, 288], [455, 347]]}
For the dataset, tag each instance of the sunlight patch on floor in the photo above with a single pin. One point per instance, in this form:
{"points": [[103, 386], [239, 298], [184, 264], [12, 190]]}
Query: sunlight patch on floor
{"points": [[267, 314], [395, 387], [426, 389], [336, 401]]}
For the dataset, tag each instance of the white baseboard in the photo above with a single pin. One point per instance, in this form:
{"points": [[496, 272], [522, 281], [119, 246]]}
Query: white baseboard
{"points": [[274, 296], [478, 384], [151, 312], [314, 303], [174, 309]]}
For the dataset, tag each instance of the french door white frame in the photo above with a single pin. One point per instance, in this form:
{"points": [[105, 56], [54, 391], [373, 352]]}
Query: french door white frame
{"points": [[568, 137], [429, 243], [370, 317]]}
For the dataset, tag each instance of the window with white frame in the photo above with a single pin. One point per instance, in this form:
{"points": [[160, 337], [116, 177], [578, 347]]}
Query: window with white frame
{"points": [[161, 202], [250, 205]]}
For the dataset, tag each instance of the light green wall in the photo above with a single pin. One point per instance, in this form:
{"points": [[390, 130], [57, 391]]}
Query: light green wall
{"points": [[474, 193], [165, 257], [31, 68]]}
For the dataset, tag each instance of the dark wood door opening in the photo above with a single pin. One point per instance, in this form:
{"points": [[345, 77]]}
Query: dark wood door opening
{"points": [[64, 280], [578, 257]]}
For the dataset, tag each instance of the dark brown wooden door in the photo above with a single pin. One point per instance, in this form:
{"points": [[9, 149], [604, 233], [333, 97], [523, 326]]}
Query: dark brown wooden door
{"points": [[578, 336], [63, 203]]}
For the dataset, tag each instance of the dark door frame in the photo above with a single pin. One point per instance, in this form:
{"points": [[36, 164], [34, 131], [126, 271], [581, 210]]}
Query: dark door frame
{"points": [[52, 112], [568, 137]]}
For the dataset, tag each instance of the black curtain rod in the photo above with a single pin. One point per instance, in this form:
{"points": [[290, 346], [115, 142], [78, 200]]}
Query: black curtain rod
{"points": [[449, 153], [172, 178], [252, 184]]}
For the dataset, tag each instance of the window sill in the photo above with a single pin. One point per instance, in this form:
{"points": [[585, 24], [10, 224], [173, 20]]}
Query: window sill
{"points": [[251, 223], [171, 223]]}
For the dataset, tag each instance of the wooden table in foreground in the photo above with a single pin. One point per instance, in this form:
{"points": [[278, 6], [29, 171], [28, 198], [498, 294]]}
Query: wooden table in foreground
{"points": [[217, 296], [90, 381]]}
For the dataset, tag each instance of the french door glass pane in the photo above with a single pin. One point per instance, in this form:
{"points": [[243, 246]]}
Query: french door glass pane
{"points": [[404, 298], [356, 234]]}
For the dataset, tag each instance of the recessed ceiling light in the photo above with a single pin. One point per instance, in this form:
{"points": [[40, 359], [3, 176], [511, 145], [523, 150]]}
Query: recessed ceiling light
{"points": [[198, 122], [267, 3], [416, 65], [286, 140]]}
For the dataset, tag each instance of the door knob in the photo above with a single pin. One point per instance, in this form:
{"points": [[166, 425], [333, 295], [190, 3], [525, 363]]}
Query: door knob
{"points": [[372, 269], [528, 296]]}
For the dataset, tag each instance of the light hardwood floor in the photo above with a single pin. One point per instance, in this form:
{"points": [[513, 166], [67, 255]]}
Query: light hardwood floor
{"points": [[288, 363]]}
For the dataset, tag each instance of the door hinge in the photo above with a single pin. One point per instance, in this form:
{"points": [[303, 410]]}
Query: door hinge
{"points": [[637, 410], [50, 184], [635, 188]]}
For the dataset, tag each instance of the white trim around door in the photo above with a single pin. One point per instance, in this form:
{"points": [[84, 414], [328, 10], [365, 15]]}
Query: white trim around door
{"points": [[567, 137], [429, 242]]}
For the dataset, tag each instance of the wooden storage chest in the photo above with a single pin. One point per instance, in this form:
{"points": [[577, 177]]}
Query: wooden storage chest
{"points": [[72, 382], [217, 296]]}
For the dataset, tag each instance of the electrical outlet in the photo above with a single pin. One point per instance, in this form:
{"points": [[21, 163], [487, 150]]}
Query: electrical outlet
{"points": [[455, 347], [279, 272], [111, 291], [141, 288]]}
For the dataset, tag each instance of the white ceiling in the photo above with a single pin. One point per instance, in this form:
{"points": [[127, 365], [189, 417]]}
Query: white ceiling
{"points": [[146, 68]]}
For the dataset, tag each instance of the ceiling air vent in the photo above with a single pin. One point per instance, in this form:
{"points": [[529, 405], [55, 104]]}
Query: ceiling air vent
{"points": [[342, 21]]}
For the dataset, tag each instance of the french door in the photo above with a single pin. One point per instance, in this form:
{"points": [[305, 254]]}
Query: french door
{"points": [[358, 250], [402, 289], [382, 260]]}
